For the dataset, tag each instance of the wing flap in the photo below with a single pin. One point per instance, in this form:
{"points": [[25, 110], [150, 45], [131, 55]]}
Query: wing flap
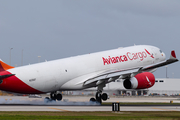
{"points": [[112, 75]]}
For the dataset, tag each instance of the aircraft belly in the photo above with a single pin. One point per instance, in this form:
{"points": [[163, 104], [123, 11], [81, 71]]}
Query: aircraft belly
{"points": [[77, 83], [42, 83]]}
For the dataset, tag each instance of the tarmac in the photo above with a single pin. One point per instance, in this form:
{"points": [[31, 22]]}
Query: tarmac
{"points": [[81, 103]]}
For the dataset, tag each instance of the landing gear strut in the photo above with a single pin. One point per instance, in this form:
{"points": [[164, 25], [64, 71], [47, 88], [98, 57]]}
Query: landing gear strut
{"points": [[98, 97]]}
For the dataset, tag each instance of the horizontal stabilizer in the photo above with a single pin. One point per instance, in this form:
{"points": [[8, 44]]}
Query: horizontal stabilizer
{"points": [[5, 76]]}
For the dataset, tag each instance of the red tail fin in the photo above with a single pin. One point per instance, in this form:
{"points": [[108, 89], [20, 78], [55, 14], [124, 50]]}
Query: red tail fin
{"points": [[4, 66]]}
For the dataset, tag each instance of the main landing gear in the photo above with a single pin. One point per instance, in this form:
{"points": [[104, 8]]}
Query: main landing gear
{"points": [[99, 97], [54, 96]]}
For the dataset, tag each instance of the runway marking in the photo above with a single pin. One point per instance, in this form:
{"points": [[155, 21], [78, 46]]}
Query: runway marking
{"points": [[164, 109], [58, 109]]}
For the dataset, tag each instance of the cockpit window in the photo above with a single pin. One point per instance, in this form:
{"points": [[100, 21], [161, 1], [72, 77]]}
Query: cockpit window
{"points": [[160, 51]]}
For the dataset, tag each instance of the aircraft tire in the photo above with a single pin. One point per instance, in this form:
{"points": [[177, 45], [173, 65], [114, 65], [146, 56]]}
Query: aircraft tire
{"points": [[59, 97], [47, 99], [104, 96], [53, 96], [92, 100]]}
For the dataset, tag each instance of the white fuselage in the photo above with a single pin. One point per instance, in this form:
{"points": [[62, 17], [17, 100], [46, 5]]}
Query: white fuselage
{"points": [[70, 73]]}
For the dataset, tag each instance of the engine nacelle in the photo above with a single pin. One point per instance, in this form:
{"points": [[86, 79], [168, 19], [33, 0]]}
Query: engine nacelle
{"points": [[140, 81]]}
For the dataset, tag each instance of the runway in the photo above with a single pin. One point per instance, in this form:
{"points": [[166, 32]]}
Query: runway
{"points": [[79, 103], [87, 108]]}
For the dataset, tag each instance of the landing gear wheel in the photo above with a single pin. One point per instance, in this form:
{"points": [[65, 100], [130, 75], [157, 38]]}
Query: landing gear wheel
{"points": [[98, 97], [53, 96], [92, 100], [59, 97], [47, 99], [104, 96]]}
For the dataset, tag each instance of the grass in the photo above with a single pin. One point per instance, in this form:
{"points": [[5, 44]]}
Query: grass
{"points": [[165, 115]]}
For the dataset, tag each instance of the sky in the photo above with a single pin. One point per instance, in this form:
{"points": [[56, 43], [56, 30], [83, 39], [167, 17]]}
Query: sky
{"points": [[55, 29]]}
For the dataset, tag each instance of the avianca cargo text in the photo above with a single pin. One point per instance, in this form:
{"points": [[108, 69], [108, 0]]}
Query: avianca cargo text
{"points": [[128, 56]]}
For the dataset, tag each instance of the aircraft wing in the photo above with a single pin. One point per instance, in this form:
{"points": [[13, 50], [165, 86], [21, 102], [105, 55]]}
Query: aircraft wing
{"points": [[112, 75], [172, 59]]}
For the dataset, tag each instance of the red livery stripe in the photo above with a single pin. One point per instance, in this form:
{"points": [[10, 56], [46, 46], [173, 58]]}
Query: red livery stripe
{"points": [[14, 84]]}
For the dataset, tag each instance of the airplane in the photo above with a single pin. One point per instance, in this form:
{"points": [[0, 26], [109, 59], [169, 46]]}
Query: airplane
{"points": [[133, 64]]}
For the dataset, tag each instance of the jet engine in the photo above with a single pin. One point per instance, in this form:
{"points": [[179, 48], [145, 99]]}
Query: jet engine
{"points": [[140, 81]]}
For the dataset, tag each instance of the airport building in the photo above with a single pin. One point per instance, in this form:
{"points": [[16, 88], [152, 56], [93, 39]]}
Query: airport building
{"points": [[166, 86], [162, 87]]}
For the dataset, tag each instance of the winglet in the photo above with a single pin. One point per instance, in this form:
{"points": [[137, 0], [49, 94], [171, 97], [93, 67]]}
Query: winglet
{"points": [[4, 66], [173, 55]]}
